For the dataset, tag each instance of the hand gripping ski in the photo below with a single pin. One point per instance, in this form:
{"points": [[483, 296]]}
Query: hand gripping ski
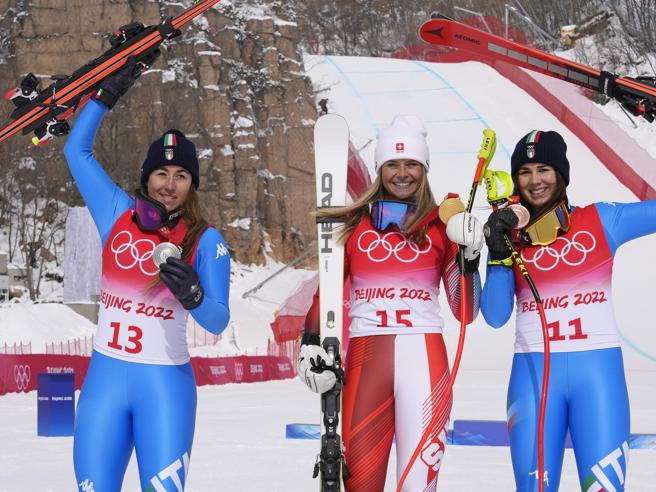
{"points": [[637, 95], [331, 143], [45, 111]]}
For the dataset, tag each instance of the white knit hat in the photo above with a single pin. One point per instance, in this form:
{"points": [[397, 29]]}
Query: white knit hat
{"points": [[405, 138]]}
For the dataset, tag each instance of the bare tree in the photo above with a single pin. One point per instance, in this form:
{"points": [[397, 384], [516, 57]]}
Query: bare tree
{"points": [[34, 216]]}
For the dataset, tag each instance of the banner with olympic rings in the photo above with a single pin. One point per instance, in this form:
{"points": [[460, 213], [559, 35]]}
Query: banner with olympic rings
{"points": [[18, 373]]}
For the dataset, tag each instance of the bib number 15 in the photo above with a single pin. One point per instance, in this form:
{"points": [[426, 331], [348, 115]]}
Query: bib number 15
{"points": [[401, 318], [133, 345]]}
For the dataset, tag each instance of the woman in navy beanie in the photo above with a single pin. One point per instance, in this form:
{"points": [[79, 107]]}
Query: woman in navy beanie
{"points": [[161, 262], [569, 254]]}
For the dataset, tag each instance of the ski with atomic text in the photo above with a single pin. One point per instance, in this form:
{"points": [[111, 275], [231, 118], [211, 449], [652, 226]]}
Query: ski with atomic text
{"points": [[637, 95]]}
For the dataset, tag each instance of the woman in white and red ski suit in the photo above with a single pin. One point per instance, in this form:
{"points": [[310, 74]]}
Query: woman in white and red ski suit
{"points": [[396, 252]]}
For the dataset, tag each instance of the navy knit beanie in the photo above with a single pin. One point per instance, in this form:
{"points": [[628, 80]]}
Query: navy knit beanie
{"points": [[172, 148], [544, 147]]}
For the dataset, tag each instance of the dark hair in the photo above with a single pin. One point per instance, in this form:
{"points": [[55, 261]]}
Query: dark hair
{"points": [[560, 194], [196, 224]]}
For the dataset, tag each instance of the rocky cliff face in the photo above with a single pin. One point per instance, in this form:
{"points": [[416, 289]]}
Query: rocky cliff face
{"points": [[234, 83]]}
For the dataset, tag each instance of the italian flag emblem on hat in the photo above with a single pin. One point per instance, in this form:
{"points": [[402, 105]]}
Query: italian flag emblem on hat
{"points": [[533, 137], [170, 140]]}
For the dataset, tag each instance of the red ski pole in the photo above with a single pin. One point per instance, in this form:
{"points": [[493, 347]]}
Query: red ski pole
{"points": [[484, 157]]}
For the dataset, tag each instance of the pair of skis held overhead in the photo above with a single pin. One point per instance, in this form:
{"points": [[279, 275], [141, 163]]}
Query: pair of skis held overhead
{"points": [[45, 111]]}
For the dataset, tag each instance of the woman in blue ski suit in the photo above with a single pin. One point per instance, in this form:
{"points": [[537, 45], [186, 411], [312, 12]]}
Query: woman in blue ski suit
{"points": [[569, 253], [140, 391]]}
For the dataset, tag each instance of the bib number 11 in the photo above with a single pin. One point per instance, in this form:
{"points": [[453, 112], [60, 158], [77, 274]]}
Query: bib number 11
{"points": [[554, 331]]}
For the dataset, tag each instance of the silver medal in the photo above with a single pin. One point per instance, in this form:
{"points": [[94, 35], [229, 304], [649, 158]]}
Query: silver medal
{"points": [[163, 251]]}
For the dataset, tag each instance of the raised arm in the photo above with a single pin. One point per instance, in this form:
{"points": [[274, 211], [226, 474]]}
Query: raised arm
{"points": [[623, 222], [105, 200]]}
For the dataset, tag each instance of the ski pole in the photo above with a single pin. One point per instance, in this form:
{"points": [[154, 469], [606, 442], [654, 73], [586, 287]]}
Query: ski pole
{"points": [[495, 199], [485, 155]]}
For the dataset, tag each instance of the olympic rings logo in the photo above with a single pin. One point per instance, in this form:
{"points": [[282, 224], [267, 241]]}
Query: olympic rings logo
{"points": [[22, 375], [379, 249], [128, 254], [573, 252]]}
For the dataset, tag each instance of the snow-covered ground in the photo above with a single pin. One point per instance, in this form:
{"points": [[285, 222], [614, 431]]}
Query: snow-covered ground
{"points": [[41, 323], [240, 443]]}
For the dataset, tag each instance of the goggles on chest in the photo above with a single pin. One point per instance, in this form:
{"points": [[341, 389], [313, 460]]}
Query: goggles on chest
{"points": [[544, 230], [151, 214], [384, 213]]}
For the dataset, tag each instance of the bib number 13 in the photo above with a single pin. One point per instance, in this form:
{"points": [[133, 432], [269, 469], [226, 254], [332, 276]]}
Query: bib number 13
{"points": [[133, 346]]}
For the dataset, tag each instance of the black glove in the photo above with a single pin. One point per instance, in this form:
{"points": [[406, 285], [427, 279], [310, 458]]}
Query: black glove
{"points": [[182, 281], [471, 266], [310, 339], [117, 84], [500, 223]]}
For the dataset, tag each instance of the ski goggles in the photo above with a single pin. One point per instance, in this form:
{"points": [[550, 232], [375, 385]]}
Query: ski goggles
{"points": [[545, 229], [384, 213], [151, 214]]}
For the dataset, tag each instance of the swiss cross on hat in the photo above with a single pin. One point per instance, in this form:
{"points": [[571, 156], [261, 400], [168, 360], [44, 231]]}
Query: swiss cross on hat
{"points": [[400, 146]]}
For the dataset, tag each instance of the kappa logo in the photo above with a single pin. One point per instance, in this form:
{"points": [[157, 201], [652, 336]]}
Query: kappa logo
{"points": [[221, 250], [22, 376], [86, 486], [170, 474], [128, 254]]}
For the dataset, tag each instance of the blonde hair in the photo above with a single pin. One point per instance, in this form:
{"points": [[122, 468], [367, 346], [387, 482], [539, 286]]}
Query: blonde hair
{"points": [[354, 213]]}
